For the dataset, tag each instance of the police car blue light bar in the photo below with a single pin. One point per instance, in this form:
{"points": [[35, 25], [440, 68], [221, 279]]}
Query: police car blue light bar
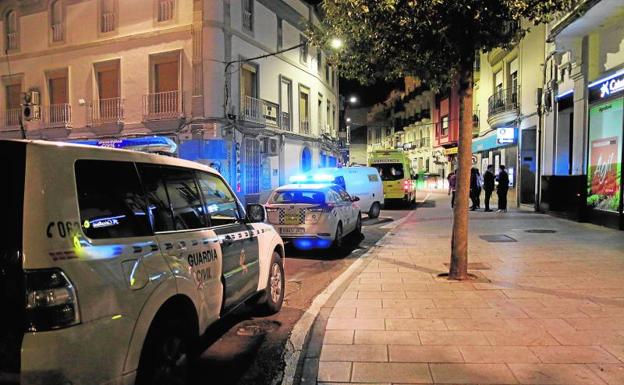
{"points": [[315, 178], [158, 144]]}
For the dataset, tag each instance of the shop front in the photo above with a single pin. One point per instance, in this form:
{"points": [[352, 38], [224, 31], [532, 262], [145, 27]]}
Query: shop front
{"points": [[498, 147], [604, 151]]}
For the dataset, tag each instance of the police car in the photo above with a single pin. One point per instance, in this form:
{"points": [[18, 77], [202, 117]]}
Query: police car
{"points": [[314, 215], [113, 262]]}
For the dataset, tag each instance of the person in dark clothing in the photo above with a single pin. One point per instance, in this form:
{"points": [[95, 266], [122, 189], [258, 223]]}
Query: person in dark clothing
{"points": [[475, 189], [452, 181], [503, 187], [488, 185]]}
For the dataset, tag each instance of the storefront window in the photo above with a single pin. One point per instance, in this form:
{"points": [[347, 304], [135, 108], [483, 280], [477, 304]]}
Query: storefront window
{"points": [[605, 155]]}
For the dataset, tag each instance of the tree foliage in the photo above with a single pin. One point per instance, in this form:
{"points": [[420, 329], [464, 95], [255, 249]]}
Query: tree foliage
{"points": [[430, 39]]}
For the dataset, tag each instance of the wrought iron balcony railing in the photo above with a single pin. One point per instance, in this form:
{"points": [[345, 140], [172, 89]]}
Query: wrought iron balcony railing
{"points": [[57, 115], [162, 105], [103, 111], [503, 101]]}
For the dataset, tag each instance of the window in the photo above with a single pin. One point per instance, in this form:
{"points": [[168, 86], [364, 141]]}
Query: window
{"points": [[56, 21], [304, 110], [445, 126], [11, 30], [390, 171], [165, 100], [219, 202], [248, 15], [107, 16], [58, 111], [156, 195], [328, 122], [327, 71], [306, 159], [184, 199], [513, 80], [110, 199], [319, 114], [249, 80], [298, 196], [13, 103], [319, 60], [280, 36], [303, 50], [498, 83], [344, 196], [108, 106], [165, 10], [285, 103]]}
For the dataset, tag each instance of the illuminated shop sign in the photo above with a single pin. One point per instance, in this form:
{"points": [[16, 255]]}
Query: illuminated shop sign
{"points": [[606, 87], [505, 135]]}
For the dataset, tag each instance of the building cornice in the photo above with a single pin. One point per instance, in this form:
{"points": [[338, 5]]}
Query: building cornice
{"points": [[571, 17]]}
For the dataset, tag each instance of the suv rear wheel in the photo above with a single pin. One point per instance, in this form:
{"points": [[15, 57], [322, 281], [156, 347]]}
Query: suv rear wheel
{"points": [[165, 359], [338, 241]]}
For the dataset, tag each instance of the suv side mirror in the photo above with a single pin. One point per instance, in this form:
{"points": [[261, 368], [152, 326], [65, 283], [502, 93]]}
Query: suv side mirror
{"points": [[255, 213], [355, 198]]}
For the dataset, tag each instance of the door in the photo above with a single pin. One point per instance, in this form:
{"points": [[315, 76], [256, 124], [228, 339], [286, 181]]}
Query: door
{"points": [[527, 166], [113, 217], [346, 208], [238, 240], [189, 246]]}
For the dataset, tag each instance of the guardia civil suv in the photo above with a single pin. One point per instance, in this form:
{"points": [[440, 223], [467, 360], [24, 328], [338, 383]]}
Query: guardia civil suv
{"points": [[113, 262]]}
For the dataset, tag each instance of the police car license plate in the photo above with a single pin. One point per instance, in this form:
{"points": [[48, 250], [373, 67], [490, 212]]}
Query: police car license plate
{"points": [[292, 230]]}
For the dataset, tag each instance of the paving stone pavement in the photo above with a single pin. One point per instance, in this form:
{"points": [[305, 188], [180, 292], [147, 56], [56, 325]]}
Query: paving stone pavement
{"points": [[546, 309]]}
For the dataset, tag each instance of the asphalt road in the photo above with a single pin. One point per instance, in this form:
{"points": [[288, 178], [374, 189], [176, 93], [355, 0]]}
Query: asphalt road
{"points": [[247, 349]]}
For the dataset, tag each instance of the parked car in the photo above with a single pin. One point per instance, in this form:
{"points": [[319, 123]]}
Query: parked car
{"points": [[113, 262], [314, 215], [363, 182]]}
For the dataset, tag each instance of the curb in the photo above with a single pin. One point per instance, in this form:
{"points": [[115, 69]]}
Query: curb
{"points": [[297, 342]]}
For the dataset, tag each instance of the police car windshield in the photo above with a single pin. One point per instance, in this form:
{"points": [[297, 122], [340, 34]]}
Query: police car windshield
{"points": [[298, 196], [390, 171]]}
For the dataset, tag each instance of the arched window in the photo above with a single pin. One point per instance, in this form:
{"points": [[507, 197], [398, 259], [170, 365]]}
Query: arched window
{"points": [[12, 37], [56, 20], [306, 159]]}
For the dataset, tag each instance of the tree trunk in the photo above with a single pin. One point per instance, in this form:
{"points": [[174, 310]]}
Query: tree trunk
{"points": [[459, 242]]}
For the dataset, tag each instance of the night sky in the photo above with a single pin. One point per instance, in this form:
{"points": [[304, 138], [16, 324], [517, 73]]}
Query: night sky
{"points": [[367, 95]]}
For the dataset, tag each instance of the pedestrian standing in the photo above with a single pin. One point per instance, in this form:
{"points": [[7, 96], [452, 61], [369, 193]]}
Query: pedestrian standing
{"points": [[503, 187], [474, 188], [452, 182], [488, 185], [479, 188]]}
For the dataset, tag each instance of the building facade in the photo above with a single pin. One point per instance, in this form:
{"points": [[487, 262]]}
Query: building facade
{"points": [[112, 69], [584, 114]]}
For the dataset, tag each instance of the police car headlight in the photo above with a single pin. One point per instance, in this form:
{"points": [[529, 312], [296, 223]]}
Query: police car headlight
{"points": [[51, 301]]}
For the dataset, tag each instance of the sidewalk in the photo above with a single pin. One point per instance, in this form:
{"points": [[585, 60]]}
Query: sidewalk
{"points": [[546, 309]]}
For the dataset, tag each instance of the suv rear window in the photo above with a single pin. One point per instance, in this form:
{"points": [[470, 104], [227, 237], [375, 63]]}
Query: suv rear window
{"points": [[298, 196], [110, 199]]}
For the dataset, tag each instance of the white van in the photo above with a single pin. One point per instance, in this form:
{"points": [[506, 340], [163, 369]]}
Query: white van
{"points": [[363, 182], [113, 262]]}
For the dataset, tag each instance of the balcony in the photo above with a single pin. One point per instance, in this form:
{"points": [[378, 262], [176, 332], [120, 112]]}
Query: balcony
{"points": [[12, 40], [57, 115], [503, 106], [106, 111], [57, 32], [10, 119], [251, 109], [304, 126], [285, 121], [163, 106], [108, 22]]}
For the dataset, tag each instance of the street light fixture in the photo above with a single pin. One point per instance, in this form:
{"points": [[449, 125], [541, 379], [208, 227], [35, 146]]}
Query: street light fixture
{"points": [[348, 120], [353, 99], [336, 43]]}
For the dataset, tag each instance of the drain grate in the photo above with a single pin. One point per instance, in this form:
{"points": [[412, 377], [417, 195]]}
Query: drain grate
{"points": [[497, 238], [257, 327], [474, 266], [541, 231]]}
